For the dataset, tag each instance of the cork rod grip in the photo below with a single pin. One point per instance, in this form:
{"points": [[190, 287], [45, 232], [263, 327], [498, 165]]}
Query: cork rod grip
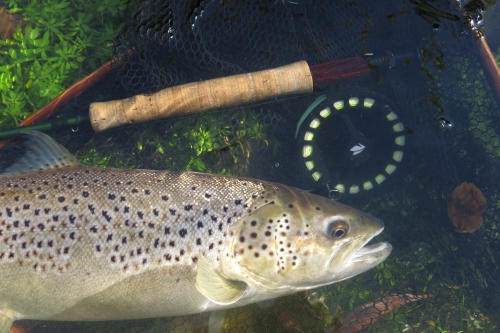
{"points": [[202, 96]]}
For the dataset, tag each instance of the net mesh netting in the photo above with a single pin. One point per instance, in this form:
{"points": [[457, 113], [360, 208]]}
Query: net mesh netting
{"points": [[427, 64]]}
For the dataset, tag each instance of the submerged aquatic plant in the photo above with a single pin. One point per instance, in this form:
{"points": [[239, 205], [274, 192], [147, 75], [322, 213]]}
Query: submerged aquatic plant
{"points": [[63, 41]]}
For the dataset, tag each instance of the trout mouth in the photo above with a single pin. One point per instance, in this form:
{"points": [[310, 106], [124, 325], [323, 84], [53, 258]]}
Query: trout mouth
{"points": [[374, 252], [371, 251]]}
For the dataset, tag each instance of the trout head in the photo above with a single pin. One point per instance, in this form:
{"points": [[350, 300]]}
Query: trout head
{"points": [[293, 240]]}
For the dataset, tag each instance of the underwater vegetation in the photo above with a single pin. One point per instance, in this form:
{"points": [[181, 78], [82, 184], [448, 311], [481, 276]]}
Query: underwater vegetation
{"points": [[213, 142], [55, 44]]}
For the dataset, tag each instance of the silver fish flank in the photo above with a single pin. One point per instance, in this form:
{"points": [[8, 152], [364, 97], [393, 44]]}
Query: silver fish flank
{"points": [[83, 243]]}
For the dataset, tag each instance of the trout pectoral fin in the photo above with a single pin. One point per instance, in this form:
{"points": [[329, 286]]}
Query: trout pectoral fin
{"points": [[216, 287], [5, 323]]}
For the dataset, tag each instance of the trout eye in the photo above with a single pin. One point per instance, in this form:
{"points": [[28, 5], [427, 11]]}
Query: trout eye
{"points": [[336, 230]]}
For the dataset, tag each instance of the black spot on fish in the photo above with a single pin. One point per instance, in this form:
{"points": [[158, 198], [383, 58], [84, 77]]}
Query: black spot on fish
{"points": [[210, 232], [141, 234], [198, 241], [124, 240], [182, 252], [220, 226], [156, 212], [116, 209], [98, 248], [225, 208], [213, 218], [113, 258], [253, 223], [253, 235], [207, 195], [9, 212], [200, 224], [65, 208], [237, 202], [205, 211], [127, 223], [140, 214], [70, 186], [126, 209], [151, 225], [242, 239], [111, 196], [72, 235], [40, 244], [228, 220], [135, 190], [91, 208], [129, 183], [66, 250], [167, 231], [27, 223], [47, 210], [188, 207], [43, 196], [172, 211], [264, 246], [157, 242], [256, 254], [211, 246], [55, 218], [268, 233], [61, 199], [75, 201], [72, 218], [317, 208], [168, 257], [183, 232], [164, 198], [50, 243], [106, 216], [85, 194], [45, 183], [172, 243], [16, 224], [122, 199], [16, 198], [147, 192], [290, 206], [93, 229], [110, 238]]}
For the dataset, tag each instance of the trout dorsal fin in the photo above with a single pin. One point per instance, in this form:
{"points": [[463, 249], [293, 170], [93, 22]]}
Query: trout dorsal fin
{"points": [[216, 287], [42, 153]]}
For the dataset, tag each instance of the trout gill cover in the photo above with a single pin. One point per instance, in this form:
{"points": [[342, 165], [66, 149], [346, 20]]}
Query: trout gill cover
{"points": [[84, 243]]}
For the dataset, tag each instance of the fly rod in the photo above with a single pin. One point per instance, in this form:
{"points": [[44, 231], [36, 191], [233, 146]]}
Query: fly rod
{"points": [[196, 97], [202, 96]]}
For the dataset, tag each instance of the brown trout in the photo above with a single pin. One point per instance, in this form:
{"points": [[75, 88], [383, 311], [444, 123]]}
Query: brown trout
{"points": [[84, 243]]}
